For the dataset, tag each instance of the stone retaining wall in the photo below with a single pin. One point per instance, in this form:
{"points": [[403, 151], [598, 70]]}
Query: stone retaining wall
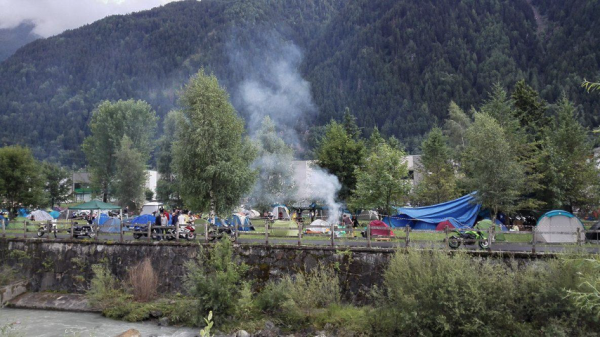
{"points": [[66, 266]]}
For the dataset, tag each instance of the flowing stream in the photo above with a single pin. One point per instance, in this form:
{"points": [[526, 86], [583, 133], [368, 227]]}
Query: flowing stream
{"points": [[25, 322]]}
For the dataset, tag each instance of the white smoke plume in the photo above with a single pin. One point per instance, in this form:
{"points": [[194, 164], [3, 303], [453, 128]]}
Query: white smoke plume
{"points": [[270, 84]]}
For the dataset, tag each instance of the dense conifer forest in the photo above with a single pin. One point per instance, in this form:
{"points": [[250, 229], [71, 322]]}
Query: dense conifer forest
{"points": [[395, 64]]}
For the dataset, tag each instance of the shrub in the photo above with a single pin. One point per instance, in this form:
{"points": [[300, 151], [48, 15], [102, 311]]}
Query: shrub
{"points": [[105, 291], [143, 281], [215, 281], [8, 275]]}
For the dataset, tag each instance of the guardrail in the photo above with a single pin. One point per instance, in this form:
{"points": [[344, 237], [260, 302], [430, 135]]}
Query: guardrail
{"points": [[300, 234]]}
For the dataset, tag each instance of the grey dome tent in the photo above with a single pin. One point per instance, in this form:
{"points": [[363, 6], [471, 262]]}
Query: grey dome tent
{"points": [[558, 227]]}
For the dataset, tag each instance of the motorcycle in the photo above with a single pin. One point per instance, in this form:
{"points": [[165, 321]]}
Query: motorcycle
{"points": [[85, 230], [472, 235], [47, 228], [142, 231], [219, 232], [188, 232]]}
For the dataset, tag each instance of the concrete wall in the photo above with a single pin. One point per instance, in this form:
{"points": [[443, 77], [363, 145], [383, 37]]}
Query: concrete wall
{"points": [[66, 265]]}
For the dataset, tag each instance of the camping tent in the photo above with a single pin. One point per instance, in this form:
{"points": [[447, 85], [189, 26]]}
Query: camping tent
{"points": [[101, 219], [254, 214], [485, 224], [380, 232], [451, 223], [464, 210], [55, 214], [151, 207], [596, 235], [143, 219], [322, 226], [558, 226], [365, 215], [111, 225], [243, 223], [281, 212], [40, 215]]}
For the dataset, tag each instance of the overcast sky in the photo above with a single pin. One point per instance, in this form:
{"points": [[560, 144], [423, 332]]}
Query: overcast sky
{"points": [[52, 17]]}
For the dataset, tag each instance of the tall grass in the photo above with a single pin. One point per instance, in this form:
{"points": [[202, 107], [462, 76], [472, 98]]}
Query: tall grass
{"points": [[143, 281]]}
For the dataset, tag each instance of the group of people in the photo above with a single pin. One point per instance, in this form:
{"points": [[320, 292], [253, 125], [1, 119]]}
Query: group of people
{"points": [[164, 218]]}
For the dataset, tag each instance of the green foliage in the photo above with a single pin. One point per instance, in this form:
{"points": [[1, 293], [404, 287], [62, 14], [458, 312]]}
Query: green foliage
{"points": [[530, 109], [20, 177], [434, 293], [205, 332], [216, 281], [130, 175], [381, 180], [148, 194], [212, 154], [58, 183], [8, 275], [166, 189], [340, 153], [456, 127], [439, 180], [572, 180], [275, 170], [109, 125], [491, 165], [587, 295]]}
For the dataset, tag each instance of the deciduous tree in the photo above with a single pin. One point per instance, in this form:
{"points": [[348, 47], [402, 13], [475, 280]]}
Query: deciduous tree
{"points": [[58, 183], [20, 177], [130, 175]]}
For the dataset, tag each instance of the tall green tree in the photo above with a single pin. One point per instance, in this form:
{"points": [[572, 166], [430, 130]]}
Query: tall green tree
{"points": [[349, 122], [109, 123], [530, 109], [456, 128], [167, 185], [212, 161], [130, 175], [491, 166], [340, 154], [572, 176], [58, 183], [20, 177], [275, 181], [439, 179], [382, 180]]}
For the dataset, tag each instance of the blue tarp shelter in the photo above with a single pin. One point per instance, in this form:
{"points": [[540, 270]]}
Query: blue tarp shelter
{"points": [[55, 214], [111, 225], [143, 219], [463, 210], [243, 223], [101, 219]]}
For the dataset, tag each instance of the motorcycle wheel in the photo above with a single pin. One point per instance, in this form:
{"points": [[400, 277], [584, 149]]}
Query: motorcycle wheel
{"points": [[190, 236], [40, 234], [92, 235], [484, 244], [453, 242], [137, 236]]}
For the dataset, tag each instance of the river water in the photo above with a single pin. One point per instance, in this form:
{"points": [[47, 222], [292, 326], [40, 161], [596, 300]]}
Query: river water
{"points": [[25, 322]]}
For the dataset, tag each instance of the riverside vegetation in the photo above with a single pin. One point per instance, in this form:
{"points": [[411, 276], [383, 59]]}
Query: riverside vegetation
{"points": [[422, 293]]}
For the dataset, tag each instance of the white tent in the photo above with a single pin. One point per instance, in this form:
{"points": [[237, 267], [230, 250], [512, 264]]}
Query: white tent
{"points": [[151, 207], [254, 214], [40, 216], [367, 215], [280, 212], [321, 226], [558, 227]]}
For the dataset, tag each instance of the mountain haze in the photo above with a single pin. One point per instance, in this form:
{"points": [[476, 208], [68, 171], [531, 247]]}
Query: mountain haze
{"points": [[395, 63]]}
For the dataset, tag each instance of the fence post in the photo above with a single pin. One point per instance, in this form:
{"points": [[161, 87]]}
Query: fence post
{"points": [[177, 231], [206, 232], [48, 228], [407, 239], [332, 234], [25, 229], [490, 235], [579, 241], [299, 233], [369, 235], [533, 232], [121, 230], [267, 232], [447, 246], [149, 231], [3, 229], [71, 229]]}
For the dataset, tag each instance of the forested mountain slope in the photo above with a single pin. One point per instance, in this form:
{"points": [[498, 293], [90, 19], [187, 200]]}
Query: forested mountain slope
{"points": [[395, 63], [12, 39]]}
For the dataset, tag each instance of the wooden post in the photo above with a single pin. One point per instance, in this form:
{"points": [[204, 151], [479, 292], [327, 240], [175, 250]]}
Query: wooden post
{"points": [[267, 232], [369, 235], [149, 231], [490, 236], [446, 239], [533, 232], [332, 226], [407, 239], [3, 228], [121, 226], [237, 228], [299, 233], [206, 232], [579, 241], [71, 229], [177, 231], [25, 229]]}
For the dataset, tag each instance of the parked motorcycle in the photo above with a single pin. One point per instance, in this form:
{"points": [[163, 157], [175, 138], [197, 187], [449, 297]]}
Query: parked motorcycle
{"points": [[472, 235], [85, 230], [142, 231], [219, 232], [45, 228], [187, 232]]}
